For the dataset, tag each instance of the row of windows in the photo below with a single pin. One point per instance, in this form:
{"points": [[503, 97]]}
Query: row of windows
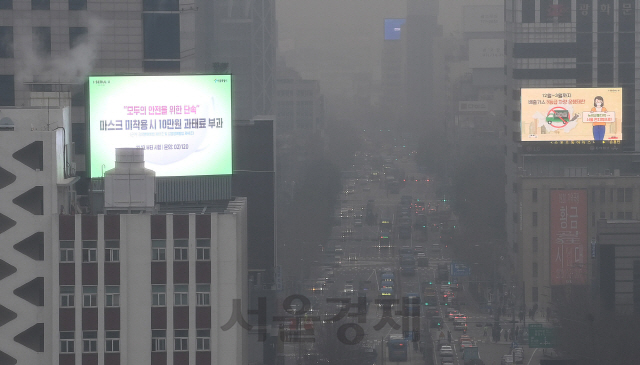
{"points": [[112, 295], [41, 40], [180, 340], [619, 215], [549, 12], [112, 341], [158, 250], [45, 4], [622, 195], [180, 295], [90, 341]]}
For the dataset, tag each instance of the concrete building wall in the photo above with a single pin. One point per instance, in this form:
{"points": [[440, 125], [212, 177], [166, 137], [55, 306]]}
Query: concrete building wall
{"points": [[137, 270], [28, 197], [609, 206]]}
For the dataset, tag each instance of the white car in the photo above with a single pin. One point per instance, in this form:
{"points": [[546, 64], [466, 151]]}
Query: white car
{"points": [[348, 289], [446, 351]]}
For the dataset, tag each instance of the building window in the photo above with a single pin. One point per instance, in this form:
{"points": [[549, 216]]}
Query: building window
{"points": [[42, 41], [203, 250], [202, 294], [159, 295], [593, 219], [611, 195], [112, 251], [619, 215], [160, 5], [67, 343], [6, 4], [534, 195], [564, 11], [89, 341], [203, 340], [7, 90], [78, 130], [158, 340], [534, 219], [66, 251], [89, 296], [603, 215], [181, 295], [89, 251], [161, 36], [602, 196], [534, 270], [158, 248], [534, 294], [112, 295], [6, 42], [628, 195], [181, 340], [67, 294], [620, 195], [181, 250], [77, 35], [112, 341], [534, 244], [528, 11], [628, 215], [77, 4], [40, 5]]}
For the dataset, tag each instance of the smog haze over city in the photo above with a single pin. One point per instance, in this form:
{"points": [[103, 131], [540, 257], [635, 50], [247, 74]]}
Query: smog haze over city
{"points": [[312, 182]]}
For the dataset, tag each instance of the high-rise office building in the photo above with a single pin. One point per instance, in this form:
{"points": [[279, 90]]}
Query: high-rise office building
{"points": [[161, 287], [48, 48], [564, 44]]}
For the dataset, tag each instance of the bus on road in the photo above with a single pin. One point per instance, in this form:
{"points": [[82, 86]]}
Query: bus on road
{"points": [[397, 346]]}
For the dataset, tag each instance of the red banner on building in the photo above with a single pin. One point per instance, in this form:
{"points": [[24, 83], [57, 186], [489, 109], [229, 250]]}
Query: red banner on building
{"points": [[568, 237]]}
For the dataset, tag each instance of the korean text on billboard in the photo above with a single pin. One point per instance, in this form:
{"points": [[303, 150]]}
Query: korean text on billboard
{"points": [[183, 122], [572, 115]]}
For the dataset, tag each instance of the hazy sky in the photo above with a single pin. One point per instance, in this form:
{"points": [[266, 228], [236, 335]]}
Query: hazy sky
{"points": [[329, 39]]}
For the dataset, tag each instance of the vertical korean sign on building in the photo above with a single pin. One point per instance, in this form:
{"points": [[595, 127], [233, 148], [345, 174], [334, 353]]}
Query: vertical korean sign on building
{"points": [[568, 237]]}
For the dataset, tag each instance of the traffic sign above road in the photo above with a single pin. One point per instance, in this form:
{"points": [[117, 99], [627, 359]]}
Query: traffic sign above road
{"points": [[459, 269], [541, 337]]}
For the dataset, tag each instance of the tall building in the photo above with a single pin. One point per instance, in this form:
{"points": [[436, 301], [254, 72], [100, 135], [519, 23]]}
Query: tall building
{"points": [[393, 74], [49, 47], [421, 90], [34, 186], [566, 44], [159, 287]]}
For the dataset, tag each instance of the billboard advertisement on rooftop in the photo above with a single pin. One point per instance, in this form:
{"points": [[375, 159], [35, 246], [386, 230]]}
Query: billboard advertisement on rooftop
{"points": [[183, 122], [572, 116]]}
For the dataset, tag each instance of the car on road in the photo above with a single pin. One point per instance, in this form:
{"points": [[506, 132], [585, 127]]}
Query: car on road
{"points": [[446, 351], [518, 355], [318, 287], [464, 344], [357, 222], [353, 257], [506, 360], [422, 260], [348, 289], [446, 361], [464, 338], [452, 313]]}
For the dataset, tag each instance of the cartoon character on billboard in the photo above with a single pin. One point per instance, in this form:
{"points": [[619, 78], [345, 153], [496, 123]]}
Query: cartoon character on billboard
{"points": [[598, 127]]}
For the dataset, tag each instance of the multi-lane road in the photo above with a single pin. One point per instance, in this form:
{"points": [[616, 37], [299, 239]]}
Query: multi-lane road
{"points": [[360, 242]]}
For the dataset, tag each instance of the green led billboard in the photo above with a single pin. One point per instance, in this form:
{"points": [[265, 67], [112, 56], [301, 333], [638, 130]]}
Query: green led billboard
{"points": [[183, 122]]}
